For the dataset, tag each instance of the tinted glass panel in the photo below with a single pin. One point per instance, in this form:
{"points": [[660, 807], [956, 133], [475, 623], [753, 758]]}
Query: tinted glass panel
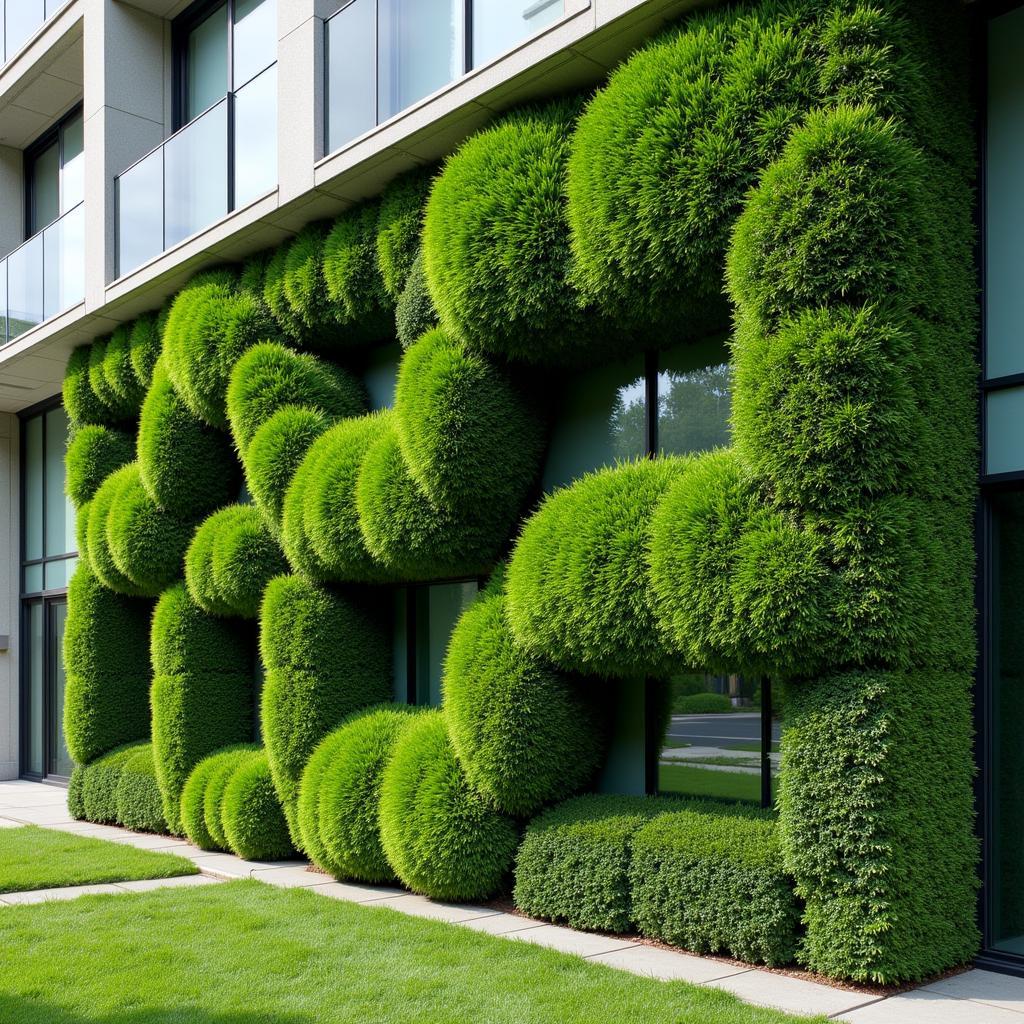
{"points": [[498, 25], [420, 50], [1004, 431], [34, 667], [140, 214], [45, 189], [1006, 854], [64, 262], [196, 176], [33, 485], [60, 514], [381, 375], [73, 166], [207, 63], [351, 73], [60, 762], [1004, 197], [256, 138], [694, 398], [255, 38], [25, 286], [400, 647], [438, 611], [33, 582]]}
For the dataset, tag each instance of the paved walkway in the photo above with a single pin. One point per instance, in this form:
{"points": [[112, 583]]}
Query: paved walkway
{"points": [[975, 997]]}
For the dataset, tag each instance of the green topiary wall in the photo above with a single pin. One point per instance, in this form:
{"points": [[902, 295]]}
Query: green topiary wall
{"points": [[802, 167]]}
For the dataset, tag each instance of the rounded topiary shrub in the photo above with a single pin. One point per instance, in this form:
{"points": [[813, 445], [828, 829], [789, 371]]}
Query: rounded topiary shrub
{"points": [[139, 804], [304, 289], [209, 327], [101, 782], [362, 307], [80, 400], [118, 372], [94, 452], [577, 584], [399, 224], [193, 796], [117, 408], [187, 467], [270, 376], [663, 158], [524, 733], [496, 240], [339, 798], [147, 543], [437, 832], [144, 346], [266, 281], [254, 824], [327, 654], [225, 762], [415, 313], [101, 558], [106, 695]]}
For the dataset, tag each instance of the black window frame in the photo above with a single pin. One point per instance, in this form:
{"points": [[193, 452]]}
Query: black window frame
{"points": [[31, 153], [181, 29]]}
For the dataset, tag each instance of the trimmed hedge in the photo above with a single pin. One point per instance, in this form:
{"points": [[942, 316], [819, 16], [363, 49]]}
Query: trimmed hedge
{"points": [[101, 780], [144, 346], [573, 864], [899, 902], [399, 223], [326, 655], [251, 814], [226, 763], [524, 734], [116, 407], [187, 467], [101, 558], [139, 803], [193, 797], [496, 240], [118, 372], [339, 796], [106, 694], [80, 400], [438, 834], [303, 288], [94, 452], [415, 313], [702, 704], [577, 584], [713, 881]]}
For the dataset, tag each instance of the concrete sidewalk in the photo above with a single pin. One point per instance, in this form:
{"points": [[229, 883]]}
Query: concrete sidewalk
{"points": [[975, 997]]}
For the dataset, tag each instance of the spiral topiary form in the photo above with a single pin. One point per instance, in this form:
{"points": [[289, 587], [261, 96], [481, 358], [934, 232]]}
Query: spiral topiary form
{"points": [[81, 402], [119, 373], [94, 452], [399, 223], [438, 834]]}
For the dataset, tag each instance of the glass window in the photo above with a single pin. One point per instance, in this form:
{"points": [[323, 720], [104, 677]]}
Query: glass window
{"points": [[60, 514], [1004, 431], [255, 39], [196, 176], [1006, 644], [59, 760], [33, 482], [44, 188], [351, 70], [498, 25], [140, 220], [256, 138], [64, 262], [381, 375], [694, 398], [206, 63], [25, 286], [1004, 198], [34, 669], [22, 19], [72, 162], [419, 50]]}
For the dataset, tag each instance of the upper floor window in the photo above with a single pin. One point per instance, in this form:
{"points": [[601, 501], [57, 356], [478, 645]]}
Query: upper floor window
{"points": [[20, 20], [54, 173], [385, 55]]}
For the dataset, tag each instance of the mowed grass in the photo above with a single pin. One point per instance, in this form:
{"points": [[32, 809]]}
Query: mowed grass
{"points": [[245, 953], [689, 780], [42, 858]]}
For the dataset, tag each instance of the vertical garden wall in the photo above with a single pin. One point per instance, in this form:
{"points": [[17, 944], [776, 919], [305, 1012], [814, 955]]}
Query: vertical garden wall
{"points": [[797, 170]]}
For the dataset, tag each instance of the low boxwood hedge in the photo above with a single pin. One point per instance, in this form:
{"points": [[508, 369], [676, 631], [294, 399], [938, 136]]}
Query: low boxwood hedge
{"points": [[138, 798], [251, 814]]}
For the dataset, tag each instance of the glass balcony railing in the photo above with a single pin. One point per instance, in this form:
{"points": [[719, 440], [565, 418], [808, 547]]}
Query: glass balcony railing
{"points": [[222, 160], [21, 20], [385, 55], [44, 276]]}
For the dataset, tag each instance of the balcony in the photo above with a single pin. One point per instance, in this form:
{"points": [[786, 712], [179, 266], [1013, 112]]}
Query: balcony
{"points": [[217, 163], [385, 55], [44, 276], [21, 20]]}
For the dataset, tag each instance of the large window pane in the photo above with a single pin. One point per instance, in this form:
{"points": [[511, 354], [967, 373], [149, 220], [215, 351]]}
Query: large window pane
{"points": [[196, 176], [206, 79], [694, 383], [601, 419], [400, 646], [255, 38], [498, 25], [44, 188], [60, 513], [140, 214], [64, 262], [23, 18], [351, 73], [73, 163], [34, 666], [381, 375], [438, 608], [1004, 431], [1004, 196], [60, 762], [1006, 854], [420, 50], [33, 477], [256, 138]]}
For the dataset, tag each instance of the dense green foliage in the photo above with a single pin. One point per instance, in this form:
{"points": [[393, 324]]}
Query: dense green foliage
{"points": [[119, 373], [138, 797], [339, 796], [415, 313], [254, 823], [398, 228], [573, 864], [80, 401], [106, 694], [303, 288], [101, 780], [118, 408], [438, 834], [144, 346], [326, 654], [713, 881], [524, 734], [94, 452], [225, 763]]}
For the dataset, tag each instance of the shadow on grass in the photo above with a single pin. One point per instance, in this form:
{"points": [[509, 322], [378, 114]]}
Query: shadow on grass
{"points": [[21, 1010]]}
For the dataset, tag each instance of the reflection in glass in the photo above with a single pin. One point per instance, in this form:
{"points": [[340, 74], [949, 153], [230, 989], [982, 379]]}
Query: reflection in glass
{"points": [[33, 483], [25, 286], [60, 762], [694, 397], [712, 744], [498, 25], [419, 51], [33, 583], [255, 39], [34, 755], [140, 215], [1004, 430], [207, 63], [437, 611], [44, 188], [196, 176], [60, 513], [351, 70], [72, 190], [64, 262], [22, 20], [1006, 893], [256, 138]]}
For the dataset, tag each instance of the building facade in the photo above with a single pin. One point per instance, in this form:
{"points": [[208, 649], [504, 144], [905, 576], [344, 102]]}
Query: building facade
{"points": [[144, 143]]}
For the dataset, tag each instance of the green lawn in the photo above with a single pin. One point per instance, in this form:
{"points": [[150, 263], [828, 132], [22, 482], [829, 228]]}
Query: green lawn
{"points": [[689, 780], [42, 858], [245, 953]]}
